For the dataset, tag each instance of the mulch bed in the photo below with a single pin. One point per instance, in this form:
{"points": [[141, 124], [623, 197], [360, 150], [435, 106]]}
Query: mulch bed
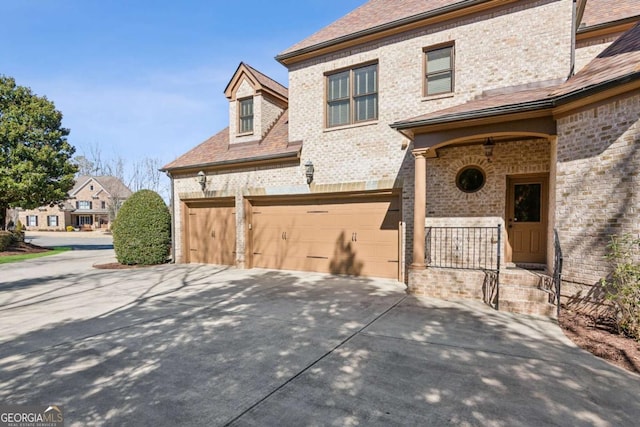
{"points": [[599, 335], [23, 248]]}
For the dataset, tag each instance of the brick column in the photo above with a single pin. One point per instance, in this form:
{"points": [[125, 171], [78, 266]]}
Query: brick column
{"points": [[419, 210]]}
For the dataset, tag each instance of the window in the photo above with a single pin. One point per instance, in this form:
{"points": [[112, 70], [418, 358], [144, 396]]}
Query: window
{"points": [[32, 220], [103, 204], [83, 204], [52, 220], [85, 220], [527, 202], [439, 70], [246, 115], [352, 96], [470, 179], [91, 187]]}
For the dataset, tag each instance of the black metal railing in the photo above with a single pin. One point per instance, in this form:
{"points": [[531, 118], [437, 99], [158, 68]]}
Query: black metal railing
{"points": [[468, 248], [557, 270]]}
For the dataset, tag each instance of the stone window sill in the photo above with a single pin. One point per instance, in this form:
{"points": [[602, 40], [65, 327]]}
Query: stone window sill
{"points": [[436, 97]]}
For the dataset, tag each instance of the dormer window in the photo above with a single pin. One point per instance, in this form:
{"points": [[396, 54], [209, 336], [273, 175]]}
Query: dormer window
{"points": [[245, 115]]}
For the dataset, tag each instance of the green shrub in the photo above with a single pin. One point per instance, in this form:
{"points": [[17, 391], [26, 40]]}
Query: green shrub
{"points": [[623, 286], [18, 232], [6, 239], [142, 230], [70, 228]]}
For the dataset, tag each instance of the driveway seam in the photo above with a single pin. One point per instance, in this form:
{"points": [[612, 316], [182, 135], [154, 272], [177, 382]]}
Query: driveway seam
{"points": [[311, 365]]}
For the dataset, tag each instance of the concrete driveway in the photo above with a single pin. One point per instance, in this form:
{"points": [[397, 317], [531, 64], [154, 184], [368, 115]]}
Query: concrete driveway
{"points": [[203, 345]]}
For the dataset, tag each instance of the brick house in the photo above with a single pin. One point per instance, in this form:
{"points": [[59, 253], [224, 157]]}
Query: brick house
{"points": [[91, 203], [439, 143]]}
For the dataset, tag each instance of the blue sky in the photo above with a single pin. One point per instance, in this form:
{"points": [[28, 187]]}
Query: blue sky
{"points": [[145, 78]]}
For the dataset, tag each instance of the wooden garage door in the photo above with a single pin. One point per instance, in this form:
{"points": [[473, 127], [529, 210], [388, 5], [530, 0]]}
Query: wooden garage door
{"points": [[210, 233], [355, 237]]}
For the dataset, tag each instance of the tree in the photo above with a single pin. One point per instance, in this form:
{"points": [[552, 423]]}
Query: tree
{"points": [[142, 230], [35, 157], [85, 166]]}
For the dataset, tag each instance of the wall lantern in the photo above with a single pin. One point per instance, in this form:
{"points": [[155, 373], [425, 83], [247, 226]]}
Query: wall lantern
{"points": [[308, 171], [488, 148], [202, 180]]}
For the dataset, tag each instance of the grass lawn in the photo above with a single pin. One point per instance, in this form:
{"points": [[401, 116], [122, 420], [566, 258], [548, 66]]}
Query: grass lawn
{"points": [[16, 258]]}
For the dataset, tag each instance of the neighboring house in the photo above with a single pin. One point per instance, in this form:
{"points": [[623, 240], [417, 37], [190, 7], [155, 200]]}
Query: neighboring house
{"points": [[423, 143], [92, 202]]}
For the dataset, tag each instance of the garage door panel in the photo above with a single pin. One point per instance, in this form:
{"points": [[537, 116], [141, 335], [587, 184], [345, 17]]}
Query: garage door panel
{"points": [[341, 237], [265, 260], [211, 234]]}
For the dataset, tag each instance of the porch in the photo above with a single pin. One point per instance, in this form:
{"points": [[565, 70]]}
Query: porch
{"points": [[485, 174], [89, 221], [466, 262]]}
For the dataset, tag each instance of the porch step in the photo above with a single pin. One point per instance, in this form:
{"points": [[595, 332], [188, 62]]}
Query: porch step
{"points": [[529, 307], [521, 277], [522, 293]]}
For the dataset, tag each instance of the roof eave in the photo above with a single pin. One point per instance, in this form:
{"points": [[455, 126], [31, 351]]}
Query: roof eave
{"points": [[267, 157], [550, 103], [609, 24], [478, 114], [284, 58]]}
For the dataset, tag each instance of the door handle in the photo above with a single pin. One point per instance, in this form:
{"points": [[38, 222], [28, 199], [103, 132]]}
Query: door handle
{"points": [[213, 233]]}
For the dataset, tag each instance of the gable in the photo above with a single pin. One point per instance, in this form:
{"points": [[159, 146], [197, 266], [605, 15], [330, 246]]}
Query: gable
{"points": [[241, 85], [244, 89], [83, 182], [248, 77]]}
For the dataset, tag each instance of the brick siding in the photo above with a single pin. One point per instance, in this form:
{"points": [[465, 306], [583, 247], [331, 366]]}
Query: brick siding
{"points": [[597, 188]]}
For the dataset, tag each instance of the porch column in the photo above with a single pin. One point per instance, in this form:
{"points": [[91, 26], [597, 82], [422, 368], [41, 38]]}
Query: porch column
{"points": [[419, 210]]}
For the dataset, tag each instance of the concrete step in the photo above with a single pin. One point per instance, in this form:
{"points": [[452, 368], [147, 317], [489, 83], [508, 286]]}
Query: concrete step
{"points": [[529, 307]]}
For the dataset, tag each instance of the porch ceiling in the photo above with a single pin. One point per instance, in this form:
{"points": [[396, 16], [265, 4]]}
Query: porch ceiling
{"points": [[514, 129]]}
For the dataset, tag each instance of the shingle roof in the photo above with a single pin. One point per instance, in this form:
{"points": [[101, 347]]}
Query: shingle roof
{"points": [[217, 150], [267, 81], [485, 106], [620, 61], [370, 15], [598, 12], [379, 13], [112, 185]]}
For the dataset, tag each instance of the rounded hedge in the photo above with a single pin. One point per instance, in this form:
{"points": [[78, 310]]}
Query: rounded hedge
{"points": [[142, 230]]}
